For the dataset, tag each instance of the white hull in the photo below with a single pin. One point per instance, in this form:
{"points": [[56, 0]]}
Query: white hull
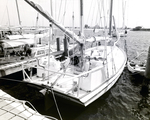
{"points": [[89, 85], [103, 88]]}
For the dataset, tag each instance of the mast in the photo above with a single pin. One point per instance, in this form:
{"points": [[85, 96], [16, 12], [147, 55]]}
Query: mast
{"points": [[36, 26], [8, 17], [82, 45], [73, 16], [50, 38], [110, 17], [18, 13], [37, 18], [123, 12], [81, 17], [73, 21]]}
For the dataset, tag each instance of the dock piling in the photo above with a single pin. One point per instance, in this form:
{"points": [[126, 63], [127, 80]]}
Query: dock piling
{"points": [[147, 71]]}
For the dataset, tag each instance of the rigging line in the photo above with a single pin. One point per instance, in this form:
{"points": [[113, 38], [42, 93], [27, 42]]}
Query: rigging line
{"points": [[59, 10], [107, 12], [50, 38], [96, 20], [103, 18], [99, 5], [3, 14], [56, 104], [100, 13], [55, 10], [105, 49], [89, 11], [4, 11], [118, 22], [51, 8], [18, 12], [73, 35], [124, 9], [93, 15], [8, 16], [96, 16], [63, 19], [105, 25]]}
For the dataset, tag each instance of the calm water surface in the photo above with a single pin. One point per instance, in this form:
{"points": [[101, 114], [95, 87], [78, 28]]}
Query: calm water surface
{"points": [[128, 99]]}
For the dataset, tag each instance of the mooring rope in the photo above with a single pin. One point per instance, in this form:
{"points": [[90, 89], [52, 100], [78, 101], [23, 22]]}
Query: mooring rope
{"points": [[30, 103], [23, 102], [56, 104]]}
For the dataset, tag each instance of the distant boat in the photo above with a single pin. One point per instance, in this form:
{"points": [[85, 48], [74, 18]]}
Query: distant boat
{"points": [[135, 66], [83, 74], [14, 41], [122, 33]]}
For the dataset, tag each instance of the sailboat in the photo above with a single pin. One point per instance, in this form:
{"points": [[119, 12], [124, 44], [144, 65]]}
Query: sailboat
{"points": [[79, 75], [123, 31]]}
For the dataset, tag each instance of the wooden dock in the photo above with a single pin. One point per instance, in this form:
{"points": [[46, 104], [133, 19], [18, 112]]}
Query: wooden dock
{"points": [[12, 65], [13, 109]]}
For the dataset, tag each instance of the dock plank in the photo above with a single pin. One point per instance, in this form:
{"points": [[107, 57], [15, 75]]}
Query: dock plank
{"points": [[2, 112], [18, 109], [17, 118], [13, 109], [6, 116], [11, 106], [4, 103], [31, 111], [25, 114], [36, 117]]}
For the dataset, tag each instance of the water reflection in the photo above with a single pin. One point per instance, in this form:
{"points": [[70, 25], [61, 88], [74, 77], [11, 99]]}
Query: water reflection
{"points": [[142, 112], [129, 99]]}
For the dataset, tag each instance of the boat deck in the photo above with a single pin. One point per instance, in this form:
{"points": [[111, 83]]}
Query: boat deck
{"points": [[13, 109], [63, 85]]}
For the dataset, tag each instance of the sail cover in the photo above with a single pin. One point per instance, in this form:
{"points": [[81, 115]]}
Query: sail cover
{"points": [[16, 43]]}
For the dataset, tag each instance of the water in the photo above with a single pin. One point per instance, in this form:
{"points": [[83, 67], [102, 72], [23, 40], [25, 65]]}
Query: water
{"points": [[128, 99]]}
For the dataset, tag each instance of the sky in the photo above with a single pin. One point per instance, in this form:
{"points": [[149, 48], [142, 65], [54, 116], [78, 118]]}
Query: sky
{"points": [[135, 12]]}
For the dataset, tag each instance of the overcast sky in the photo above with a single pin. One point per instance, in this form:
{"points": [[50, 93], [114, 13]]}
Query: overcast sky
{"points": [[136, 12]]}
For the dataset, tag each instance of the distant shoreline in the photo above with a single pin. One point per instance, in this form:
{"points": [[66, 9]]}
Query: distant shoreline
{"points": [[142, 29]]}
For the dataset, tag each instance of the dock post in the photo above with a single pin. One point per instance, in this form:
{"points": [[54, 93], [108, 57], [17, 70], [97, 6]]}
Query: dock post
{"points": [[58, 44], [147, 71], [65, 46]]}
